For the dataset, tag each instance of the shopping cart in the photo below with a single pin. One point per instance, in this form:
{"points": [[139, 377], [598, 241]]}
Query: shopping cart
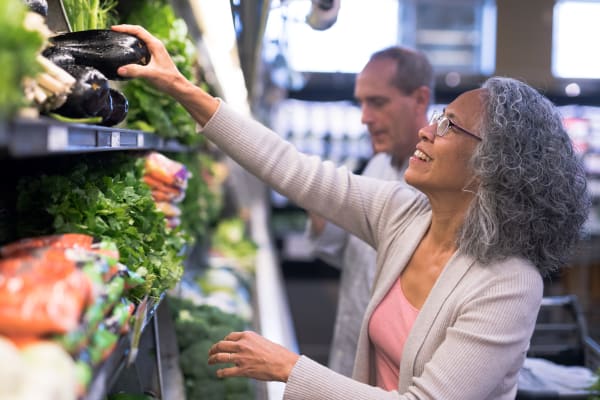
{"points": [[561, 337]]}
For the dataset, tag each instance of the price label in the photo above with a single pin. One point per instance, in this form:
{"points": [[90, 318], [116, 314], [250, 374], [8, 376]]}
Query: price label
{"points": [[115, 139], [58, 138]]}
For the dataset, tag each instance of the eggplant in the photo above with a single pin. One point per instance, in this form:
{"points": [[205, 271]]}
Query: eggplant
{"points": [[38, 6], [59, 56], [103, 49], [88, 96], [115, 110]]}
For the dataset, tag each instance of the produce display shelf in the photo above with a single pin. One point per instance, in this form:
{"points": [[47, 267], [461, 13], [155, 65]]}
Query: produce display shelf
{"points": [[110, 370], [45, 136]]}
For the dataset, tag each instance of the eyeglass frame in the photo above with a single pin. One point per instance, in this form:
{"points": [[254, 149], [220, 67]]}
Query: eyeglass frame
{"points": [[438, 118]]}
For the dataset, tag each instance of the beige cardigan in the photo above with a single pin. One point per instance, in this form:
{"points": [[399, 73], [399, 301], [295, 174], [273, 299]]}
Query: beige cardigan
{"points": [[471, 335]]}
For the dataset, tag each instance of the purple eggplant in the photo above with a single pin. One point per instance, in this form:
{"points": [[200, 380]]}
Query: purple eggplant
{"points": [[38, 6], [116, 109], [88, 96], [103, 49]]}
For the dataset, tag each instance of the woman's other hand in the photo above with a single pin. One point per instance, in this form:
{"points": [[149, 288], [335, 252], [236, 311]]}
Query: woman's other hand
{"points": [[252, 356]]}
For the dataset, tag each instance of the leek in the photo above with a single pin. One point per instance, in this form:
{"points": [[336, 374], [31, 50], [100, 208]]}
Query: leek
{"points": [[90, 14]]}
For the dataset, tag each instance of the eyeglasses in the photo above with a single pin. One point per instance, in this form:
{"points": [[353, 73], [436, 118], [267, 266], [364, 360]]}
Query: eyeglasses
{"points": [[444, 124]]}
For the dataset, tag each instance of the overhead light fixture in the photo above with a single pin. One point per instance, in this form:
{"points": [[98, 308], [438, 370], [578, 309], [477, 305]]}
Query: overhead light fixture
{"points": [[572, 90]]}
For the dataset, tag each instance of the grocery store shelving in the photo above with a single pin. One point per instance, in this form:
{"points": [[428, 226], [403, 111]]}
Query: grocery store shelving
{"points": [[27, 137], [155, 371]]}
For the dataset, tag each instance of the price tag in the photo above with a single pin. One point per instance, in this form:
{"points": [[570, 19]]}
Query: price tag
{"points": [[115, 139], [58, 138]]}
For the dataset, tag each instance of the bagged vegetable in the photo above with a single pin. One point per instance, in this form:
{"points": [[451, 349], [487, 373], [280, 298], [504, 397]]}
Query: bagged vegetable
{"points": [[41, 292], [165, 170]]}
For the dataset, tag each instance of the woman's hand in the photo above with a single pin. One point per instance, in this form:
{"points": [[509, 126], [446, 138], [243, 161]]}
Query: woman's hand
{"points": [[252, 356], [161, 71]]}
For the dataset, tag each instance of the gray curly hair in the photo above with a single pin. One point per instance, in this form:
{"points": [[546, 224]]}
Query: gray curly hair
{"points": [[532, 200]]}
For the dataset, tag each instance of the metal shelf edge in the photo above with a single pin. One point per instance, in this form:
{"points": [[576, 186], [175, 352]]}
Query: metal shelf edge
{"points": [[40, 137]]}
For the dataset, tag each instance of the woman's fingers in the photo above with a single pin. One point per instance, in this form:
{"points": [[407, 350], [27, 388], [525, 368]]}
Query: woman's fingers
{"points": [[227, 345], [221, 358], [229, 372], [222, 347], [131, 71], [234, 336], [135, 30], [253, 356], [152, 42]]}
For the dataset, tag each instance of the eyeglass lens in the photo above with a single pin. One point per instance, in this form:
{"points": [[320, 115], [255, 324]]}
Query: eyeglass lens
{"points": [[441, 123], [442, 126]]}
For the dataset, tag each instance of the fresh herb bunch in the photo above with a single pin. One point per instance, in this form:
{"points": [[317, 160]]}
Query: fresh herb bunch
{"points": [[18, 50], [150, 110], [106, 198]]}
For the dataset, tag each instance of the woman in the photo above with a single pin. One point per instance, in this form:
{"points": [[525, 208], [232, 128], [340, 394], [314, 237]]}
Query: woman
{"points": [[497, 201]]}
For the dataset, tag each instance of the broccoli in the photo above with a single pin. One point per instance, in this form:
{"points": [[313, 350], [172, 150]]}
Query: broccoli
{"points": [[193, 361], [189, 330], [197, 328]]}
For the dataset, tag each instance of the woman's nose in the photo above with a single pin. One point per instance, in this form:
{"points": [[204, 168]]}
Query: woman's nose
{"points": [[428, 132]]}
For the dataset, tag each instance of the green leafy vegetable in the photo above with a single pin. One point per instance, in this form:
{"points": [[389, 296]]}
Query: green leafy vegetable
{"points": [[18, 50], [150, 110], [106, 198], [90, 14]]}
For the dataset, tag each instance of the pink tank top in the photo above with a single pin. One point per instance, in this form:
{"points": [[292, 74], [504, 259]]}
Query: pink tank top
{"points": [[389, 326]]}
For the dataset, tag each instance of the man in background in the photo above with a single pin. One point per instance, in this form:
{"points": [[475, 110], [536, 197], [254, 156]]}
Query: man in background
{"points": [[394, 90]]}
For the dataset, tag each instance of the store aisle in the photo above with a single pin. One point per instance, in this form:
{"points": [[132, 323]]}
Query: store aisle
{"points": [[312, 288]]}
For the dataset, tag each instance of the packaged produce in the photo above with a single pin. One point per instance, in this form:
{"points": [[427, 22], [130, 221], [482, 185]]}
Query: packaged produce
{"points": [[165, 170], [61, 241], [41, 292], [163, 192], [170, 210], [47, 282]]}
